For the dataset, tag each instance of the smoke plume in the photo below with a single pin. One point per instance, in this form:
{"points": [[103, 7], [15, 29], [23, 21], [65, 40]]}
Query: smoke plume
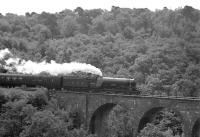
{"points": [[53, 68], [4, 52]]}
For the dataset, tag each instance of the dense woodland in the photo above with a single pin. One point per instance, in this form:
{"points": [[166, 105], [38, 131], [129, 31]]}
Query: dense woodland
{"points": [[36, 113], [33, 114], [160, 49]]}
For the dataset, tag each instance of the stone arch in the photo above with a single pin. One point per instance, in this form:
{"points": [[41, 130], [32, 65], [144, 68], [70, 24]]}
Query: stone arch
{"points": [[147, 117], [99, 117], [196, 128]]}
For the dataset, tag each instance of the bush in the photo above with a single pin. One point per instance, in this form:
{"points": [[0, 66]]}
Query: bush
{"points": [[45, 124], [15, 117], [38, 99], [31, 114]]}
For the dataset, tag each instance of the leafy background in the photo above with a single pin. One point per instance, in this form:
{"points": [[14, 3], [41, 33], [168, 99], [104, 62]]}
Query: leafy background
{"points": [[159, 49]]}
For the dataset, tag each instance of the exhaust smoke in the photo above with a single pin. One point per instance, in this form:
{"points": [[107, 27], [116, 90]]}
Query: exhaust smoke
{"points": [[53, 68]]}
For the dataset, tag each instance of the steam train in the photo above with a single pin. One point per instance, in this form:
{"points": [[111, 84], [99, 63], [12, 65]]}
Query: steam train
{"points": [[72, 83]]}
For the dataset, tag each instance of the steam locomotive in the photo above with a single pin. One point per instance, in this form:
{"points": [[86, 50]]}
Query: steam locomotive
{"points": [[72, 83]]}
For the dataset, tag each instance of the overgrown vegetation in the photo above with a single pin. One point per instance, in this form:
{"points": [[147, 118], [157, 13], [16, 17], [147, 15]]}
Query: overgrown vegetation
{"points": [[31, 114], [164, 123], [159, 49]]}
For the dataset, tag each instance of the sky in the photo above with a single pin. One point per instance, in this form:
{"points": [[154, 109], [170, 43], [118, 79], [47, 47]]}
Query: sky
{"points": [[20, 7]]}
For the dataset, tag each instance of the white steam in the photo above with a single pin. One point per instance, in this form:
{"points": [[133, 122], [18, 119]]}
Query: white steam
{"points": [[3, 53], [53, 68]]}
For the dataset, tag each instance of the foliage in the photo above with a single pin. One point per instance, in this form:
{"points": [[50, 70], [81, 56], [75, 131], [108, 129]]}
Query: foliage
{"points": [[120, 122], [31, 114], [45, 124], [165, 123], [160, 49]]}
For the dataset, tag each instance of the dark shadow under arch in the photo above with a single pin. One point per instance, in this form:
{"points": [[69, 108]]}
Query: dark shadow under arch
{"points": [[150, 115], [147, 117], [100, 115], [196, 128]]}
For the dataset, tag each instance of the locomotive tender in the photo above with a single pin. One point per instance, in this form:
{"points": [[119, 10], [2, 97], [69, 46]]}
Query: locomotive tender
{"points": [[72, 83]]}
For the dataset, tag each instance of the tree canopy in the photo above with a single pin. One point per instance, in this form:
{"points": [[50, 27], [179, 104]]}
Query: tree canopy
{"points": [[160, 49]]}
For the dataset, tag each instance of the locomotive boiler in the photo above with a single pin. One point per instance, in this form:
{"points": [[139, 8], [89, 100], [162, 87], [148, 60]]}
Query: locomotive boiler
{"points": [[72, 83]]}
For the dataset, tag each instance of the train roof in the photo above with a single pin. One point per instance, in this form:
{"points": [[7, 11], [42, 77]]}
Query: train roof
{"points": [[48, 75], [24, 75]]}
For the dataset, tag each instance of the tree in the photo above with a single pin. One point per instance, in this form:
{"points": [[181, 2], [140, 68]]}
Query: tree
{"points": [[95, 58], [30, 114], [41, 32], [112, 26], [64, 56], [50, 54], [98, 25], [154, 84], [128, 33], [4, 25], [45, 124], [12, 119], [50, 21], [120, 122], [165, 123], [191, 13], [93, 13], [151, 131], [184, 87], [79, 10], [83, 19], [69, 26], [192, 72]]}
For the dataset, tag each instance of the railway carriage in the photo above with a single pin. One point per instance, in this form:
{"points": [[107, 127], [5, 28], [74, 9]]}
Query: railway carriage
{"points": [[73, 83]]}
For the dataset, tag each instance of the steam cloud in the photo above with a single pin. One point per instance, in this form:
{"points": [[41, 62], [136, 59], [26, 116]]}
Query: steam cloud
{"points": [[53, 68], [4, 52]]}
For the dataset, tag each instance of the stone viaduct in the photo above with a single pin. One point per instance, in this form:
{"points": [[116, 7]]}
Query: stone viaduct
{"points": [[96, 107]]}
